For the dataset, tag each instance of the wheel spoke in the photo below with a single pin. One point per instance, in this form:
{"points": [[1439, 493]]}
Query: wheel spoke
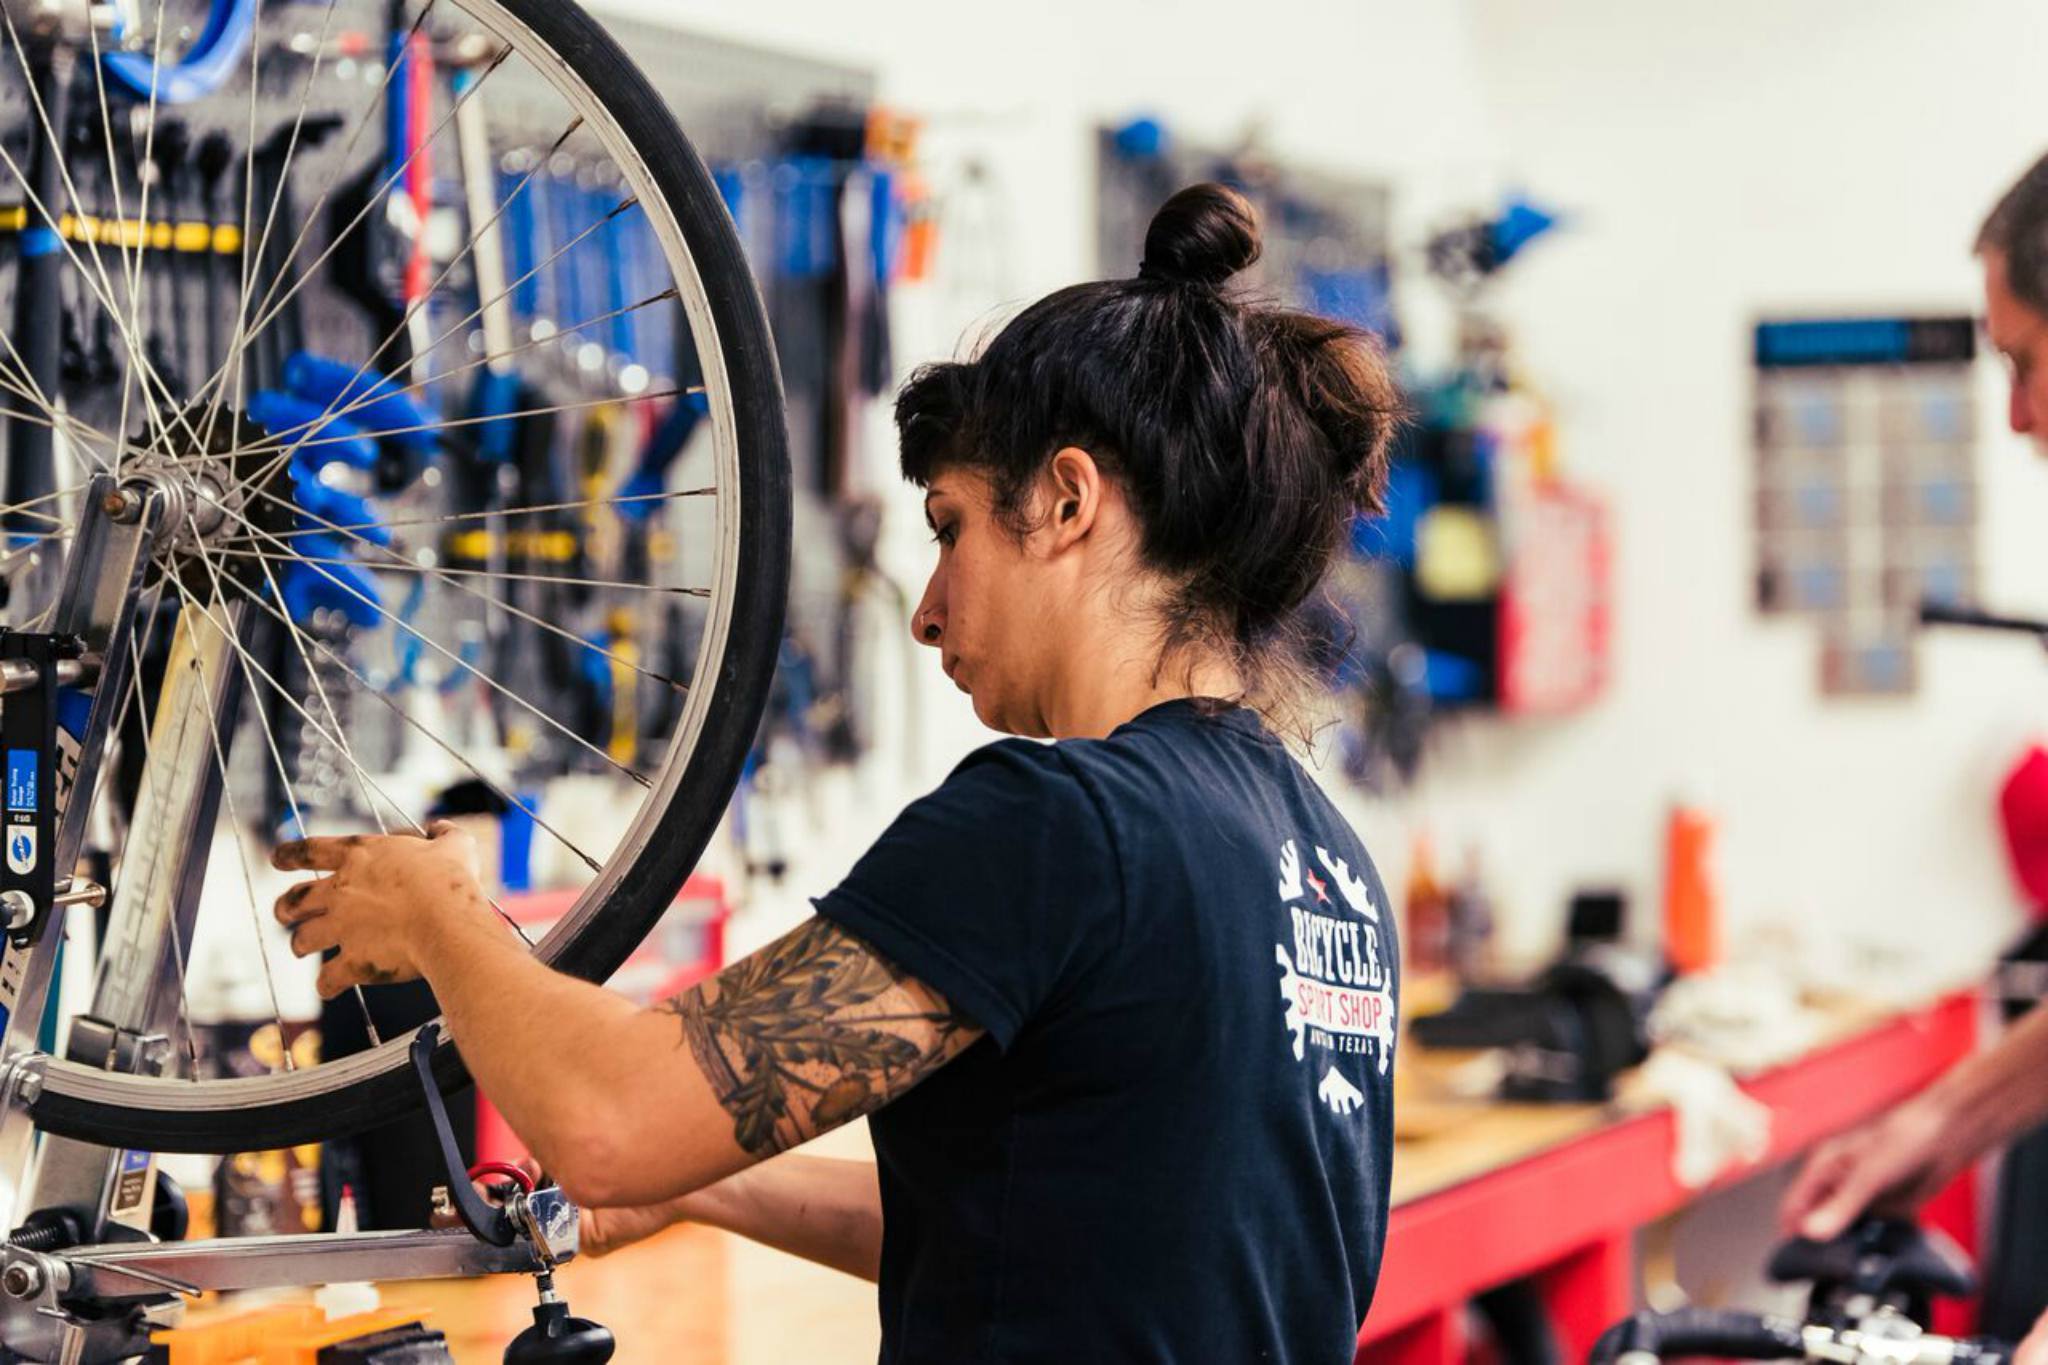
{"points": [[363, 784], [132, 372], [285, 695], [269, 732], [286, 442], [130, 257], [402, 565], [377, 394], [217, 403], [367, 686], [262, 245], [57, 419], [244, 333], [553, 627], [105, 289], [446, 653], [138, 360], [320, 690], [268, 311], [328, 528], [414, 310]]}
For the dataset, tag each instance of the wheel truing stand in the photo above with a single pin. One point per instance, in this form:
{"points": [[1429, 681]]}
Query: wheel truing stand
{"points": [[83, 1281]]}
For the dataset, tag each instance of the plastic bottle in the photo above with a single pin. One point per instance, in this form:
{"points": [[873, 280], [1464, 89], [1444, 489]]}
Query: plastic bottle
{"points": [[1470, 923], [346, 1298], [1692, 901], [1425, 916]]}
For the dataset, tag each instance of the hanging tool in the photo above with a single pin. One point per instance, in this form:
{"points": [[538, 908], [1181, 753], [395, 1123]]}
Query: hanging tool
{"points": [[38, 297], [205, 67], [215, 155], [409, 177]]}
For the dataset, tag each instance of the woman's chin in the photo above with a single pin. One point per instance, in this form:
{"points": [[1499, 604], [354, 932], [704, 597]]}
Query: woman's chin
{"points": [[987, 712]]}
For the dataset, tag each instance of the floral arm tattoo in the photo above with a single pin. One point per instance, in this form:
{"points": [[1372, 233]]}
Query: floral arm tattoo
{"points": [[815, 1029]]}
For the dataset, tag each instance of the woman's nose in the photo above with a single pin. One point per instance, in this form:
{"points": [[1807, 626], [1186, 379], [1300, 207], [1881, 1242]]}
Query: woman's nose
{"points": [[929, 624]]}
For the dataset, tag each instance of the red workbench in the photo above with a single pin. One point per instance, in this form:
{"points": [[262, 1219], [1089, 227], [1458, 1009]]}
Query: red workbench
{"points": [[1566, 1207]]}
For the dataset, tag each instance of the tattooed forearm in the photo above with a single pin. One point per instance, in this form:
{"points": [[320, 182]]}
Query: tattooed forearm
{"points": [[812, 1031]]}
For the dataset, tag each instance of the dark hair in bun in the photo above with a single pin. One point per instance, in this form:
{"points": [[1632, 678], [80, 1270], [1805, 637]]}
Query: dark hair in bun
{"points": [[1246, 438], [1203, 235]]}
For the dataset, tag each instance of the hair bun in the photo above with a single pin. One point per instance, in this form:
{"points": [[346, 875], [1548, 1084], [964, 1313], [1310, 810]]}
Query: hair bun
{"points": [[1203, 235]]}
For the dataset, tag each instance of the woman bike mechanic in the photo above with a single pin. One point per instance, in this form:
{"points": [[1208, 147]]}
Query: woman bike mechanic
{"points": [[1122, 1005]]}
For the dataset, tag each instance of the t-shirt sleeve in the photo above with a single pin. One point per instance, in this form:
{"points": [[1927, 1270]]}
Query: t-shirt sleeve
{"points": [[993, 890]]}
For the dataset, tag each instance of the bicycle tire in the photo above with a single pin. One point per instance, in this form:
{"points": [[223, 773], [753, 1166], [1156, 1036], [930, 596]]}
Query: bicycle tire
{"points": [[345, 1097]]}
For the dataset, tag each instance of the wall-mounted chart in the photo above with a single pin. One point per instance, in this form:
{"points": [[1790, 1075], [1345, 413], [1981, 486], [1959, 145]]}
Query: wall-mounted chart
{"points": [[1866, 493]]}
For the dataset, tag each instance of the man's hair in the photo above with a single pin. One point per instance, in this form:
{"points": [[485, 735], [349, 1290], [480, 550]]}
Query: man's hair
{"points": [[2017, 229]]}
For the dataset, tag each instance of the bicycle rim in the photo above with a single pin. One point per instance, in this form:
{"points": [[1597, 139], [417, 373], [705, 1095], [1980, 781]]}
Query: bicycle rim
{"points": [[609, 104]]}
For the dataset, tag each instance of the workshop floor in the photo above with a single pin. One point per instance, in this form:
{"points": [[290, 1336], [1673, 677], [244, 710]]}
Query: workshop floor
{"points": [[692, 1296]]}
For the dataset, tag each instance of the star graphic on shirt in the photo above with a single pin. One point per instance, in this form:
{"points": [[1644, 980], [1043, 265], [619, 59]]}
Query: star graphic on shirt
{"points": [[1316, 884]]}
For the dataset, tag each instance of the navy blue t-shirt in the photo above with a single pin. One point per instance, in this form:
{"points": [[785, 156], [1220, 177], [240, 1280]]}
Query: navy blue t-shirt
{"points": [[1174, 1143]]}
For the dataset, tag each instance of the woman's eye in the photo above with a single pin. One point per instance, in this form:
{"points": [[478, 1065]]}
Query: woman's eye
{"points": [[945, 535]]}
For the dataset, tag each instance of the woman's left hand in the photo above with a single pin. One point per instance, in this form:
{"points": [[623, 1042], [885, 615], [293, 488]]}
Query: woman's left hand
{"points": [[383, 891]]}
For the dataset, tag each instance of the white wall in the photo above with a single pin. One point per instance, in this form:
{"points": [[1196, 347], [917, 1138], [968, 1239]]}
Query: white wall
{"points": [[1719, 161], [1724, 161], [1385, 87]]}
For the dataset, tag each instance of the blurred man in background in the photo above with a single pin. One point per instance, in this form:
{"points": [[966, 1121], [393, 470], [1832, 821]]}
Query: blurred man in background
{"points": [[1896, 1163]]}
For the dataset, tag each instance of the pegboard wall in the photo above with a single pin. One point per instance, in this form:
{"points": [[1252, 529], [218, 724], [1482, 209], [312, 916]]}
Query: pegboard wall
{"points": [[1325, 237]]}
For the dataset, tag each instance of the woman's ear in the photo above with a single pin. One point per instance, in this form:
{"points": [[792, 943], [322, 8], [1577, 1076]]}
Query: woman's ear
{"points": [[1074, 484]]}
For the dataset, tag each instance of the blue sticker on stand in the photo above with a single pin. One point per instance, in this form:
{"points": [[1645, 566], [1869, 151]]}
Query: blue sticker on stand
{"points": [[22, 766]]}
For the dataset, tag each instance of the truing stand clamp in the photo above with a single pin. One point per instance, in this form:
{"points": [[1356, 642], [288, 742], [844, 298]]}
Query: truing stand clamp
{"points": [[555, 1337]]}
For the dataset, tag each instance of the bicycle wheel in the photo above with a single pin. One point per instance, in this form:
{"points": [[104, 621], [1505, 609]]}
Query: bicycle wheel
{"points": [[470, 481]]}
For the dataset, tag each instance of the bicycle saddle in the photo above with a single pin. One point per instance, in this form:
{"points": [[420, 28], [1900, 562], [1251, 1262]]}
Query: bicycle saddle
{"points": [[1878, 1257]]}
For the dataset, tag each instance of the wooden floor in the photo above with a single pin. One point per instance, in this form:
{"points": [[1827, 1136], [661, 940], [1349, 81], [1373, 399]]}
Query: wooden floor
{"points": [[692, 1296]]}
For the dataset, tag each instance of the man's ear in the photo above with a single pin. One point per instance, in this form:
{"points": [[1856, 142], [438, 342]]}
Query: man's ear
{"points": [[1074, 485]]}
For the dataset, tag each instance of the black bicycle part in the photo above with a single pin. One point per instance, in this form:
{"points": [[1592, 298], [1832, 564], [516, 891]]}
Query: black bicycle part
{"points": [[557, 1338], [1519, 1321], [485, 1222], [170, 1214], [1878, 1260], [1720, 1333], [49, 1230]]}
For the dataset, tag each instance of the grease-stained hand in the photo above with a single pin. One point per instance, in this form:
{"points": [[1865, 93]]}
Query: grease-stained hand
{"points": [[381, 892]]}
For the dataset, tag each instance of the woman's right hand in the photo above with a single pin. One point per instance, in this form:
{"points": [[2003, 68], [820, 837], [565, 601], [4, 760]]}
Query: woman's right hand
{"points": [[1892, 1165]]}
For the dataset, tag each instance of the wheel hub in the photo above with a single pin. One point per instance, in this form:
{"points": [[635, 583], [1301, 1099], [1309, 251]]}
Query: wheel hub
{"points": [[213, 477]]}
